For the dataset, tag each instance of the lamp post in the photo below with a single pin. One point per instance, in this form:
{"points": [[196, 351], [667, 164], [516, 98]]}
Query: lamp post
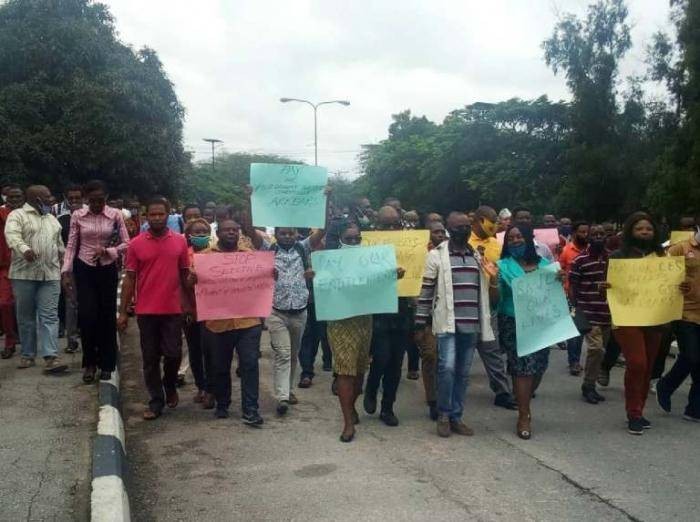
{"points": [[213, 142], [315, 107]]}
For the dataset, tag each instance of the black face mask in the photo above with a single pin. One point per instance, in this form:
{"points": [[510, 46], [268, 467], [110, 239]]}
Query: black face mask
{"points": [[565, 230], [644, 245], [459, 235], [597, 246]]}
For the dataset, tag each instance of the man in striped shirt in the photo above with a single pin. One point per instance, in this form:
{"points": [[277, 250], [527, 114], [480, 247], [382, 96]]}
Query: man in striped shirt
{"points": [[586, 291], [458, 284]]}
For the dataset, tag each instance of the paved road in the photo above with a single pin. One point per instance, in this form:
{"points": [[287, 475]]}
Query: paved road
{"points": [[46, 429], [580, 465]]}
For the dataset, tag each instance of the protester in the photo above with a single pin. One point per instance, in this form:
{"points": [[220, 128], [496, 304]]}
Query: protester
{"points": [[549, 221], [455, 293], [34, 236], [483, 240], [14, 199], [350, 342], [221, 337], [687, 332], [504, 219], [519, 256], [432, 217], [157, 266], [571, 251], [426, 340], [523, 216], [389, 335], [639, 344], [587, 295], [190, 212], [565, 228], [209, 214]]}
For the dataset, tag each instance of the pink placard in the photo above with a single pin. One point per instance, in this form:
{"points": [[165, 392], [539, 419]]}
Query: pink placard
{"points": [[236, 284], [547, 236]]}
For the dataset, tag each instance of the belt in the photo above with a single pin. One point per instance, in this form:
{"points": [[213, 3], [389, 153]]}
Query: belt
{"points": [[291, 312]]}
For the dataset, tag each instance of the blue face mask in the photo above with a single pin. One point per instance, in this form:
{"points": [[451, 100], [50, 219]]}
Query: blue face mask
{"points": [[517, 251], [199, 242]]}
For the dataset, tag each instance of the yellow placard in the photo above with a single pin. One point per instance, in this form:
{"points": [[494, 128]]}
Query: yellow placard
{"points": [[411, 247], [680, 235], [645, 292]]}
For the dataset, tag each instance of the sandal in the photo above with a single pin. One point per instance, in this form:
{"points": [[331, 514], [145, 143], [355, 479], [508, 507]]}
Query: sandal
{"points": [[523, 429]]}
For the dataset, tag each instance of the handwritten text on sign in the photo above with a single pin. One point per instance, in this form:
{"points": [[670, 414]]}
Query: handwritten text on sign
{"points": [[288, 195], [644, 292], [237, 284], [411, 247], [542, 315], [354, 281]]}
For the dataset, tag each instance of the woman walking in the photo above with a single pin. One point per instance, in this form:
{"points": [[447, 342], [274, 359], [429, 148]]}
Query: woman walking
{"points": [[518, 258], [90, 275]]}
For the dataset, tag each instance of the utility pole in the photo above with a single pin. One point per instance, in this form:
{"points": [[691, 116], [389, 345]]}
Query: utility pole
{"points": [[213, 142]]}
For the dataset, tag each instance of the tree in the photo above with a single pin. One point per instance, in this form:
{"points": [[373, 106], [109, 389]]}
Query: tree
{"points": [[75, 103]]}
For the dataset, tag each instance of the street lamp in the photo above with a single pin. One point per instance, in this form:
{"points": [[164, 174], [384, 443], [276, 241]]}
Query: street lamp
{"points": [[213, 142], [315, 107]]}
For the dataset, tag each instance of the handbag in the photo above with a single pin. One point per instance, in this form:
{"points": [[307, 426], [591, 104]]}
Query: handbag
{"points": [[581, 322]]}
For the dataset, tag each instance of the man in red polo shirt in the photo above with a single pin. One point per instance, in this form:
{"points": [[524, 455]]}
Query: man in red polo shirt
{"points": [[157, 265], [15, 199]]}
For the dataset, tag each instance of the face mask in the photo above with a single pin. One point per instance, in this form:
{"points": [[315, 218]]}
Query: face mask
{"points": [[199, 242], [597, 246], [43, 207], [565, 230], [489, 227], [345, 245], [643, 244], [581, 242], [459, 235], [517, 251]]}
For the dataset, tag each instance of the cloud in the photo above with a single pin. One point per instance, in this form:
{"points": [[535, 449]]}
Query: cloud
{"points": [[232, 61]]}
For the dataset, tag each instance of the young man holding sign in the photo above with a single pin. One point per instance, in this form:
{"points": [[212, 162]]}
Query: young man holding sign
{"points": [[456, 293]]}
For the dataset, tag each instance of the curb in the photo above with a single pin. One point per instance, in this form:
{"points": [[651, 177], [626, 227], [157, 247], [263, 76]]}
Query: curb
{"points": [[109, 501]]}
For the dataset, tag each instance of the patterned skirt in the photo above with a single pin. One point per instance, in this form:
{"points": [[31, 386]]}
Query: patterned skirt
{"points": [[530, 365], [350, 340]]}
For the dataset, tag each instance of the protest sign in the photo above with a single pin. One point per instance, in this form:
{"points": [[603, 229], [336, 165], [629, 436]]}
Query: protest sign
{"points": [[288, 195], [354, 281], [236, 284], [644, 292], [411, 248], [542, 316], [546, 236], [680, 235]]}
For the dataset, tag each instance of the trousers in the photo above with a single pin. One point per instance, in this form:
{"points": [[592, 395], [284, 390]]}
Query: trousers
{"points": [[286, 330]]}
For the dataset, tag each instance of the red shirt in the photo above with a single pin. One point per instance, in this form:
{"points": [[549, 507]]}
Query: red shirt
{"points": [[158, 262], [5, 253]]}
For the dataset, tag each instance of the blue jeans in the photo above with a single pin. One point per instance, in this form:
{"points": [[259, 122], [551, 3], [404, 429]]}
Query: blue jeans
{"points": [[455, 356], [37, 302], [573, 346]]}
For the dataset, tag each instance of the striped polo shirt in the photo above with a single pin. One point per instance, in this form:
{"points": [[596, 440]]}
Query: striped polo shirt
{"points": [[586, 272], [465, 285]]}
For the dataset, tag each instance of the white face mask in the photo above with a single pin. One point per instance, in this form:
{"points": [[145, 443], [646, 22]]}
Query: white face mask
{"points": [[345, 245]]}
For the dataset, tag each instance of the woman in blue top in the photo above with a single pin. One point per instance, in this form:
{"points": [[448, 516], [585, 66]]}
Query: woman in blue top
{"points": [[517, 258]]}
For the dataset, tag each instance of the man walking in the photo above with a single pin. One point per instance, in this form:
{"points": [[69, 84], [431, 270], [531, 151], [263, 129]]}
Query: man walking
{"points": [[456, 293], [34, 236], [483, 240], [157, 265], [14, 199]]}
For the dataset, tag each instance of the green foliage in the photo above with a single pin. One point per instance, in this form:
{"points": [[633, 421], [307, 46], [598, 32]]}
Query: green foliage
{"points": [[75, 103]]}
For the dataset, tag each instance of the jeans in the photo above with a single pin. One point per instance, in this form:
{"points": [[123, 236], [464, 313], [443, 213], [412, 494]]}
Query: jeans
{"points": [[388, 346], [220, 347], [413, 355], [37, 308], [573, 347], [687, 363], [455, 356], [314, 333], [161, 338], [286, 330]]}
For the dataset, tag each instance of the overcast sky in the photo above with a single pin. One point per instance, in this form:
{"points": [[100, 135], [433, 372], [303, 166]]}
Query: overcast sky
{"points": [[231, 61]]}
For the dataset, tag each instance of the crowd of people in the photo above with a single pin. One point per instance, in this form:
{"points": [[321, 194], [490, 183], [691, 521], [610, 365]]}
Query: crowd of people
{"points": [[61, 264]]}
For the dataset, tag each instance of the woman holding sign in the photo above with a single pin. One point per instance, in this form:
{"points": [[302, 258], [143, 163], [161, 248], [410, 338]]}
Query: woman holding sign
{"points": [[519, 257], [640, 344]]}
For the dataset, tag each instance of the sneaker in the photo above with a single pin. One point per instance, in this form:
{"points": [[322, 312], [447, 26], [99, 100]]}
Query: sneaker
{"points": [[604, 378], [252, 419], [443, 426], [691, 418], [589, 395], [25, 362], [370, 403], [458, 427], [54, 365], [388, 418], [505, 400], [221, 413], [598, 396], [663, 398], [646, 424], [282, 408], [293, 399], [635, 426]]}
